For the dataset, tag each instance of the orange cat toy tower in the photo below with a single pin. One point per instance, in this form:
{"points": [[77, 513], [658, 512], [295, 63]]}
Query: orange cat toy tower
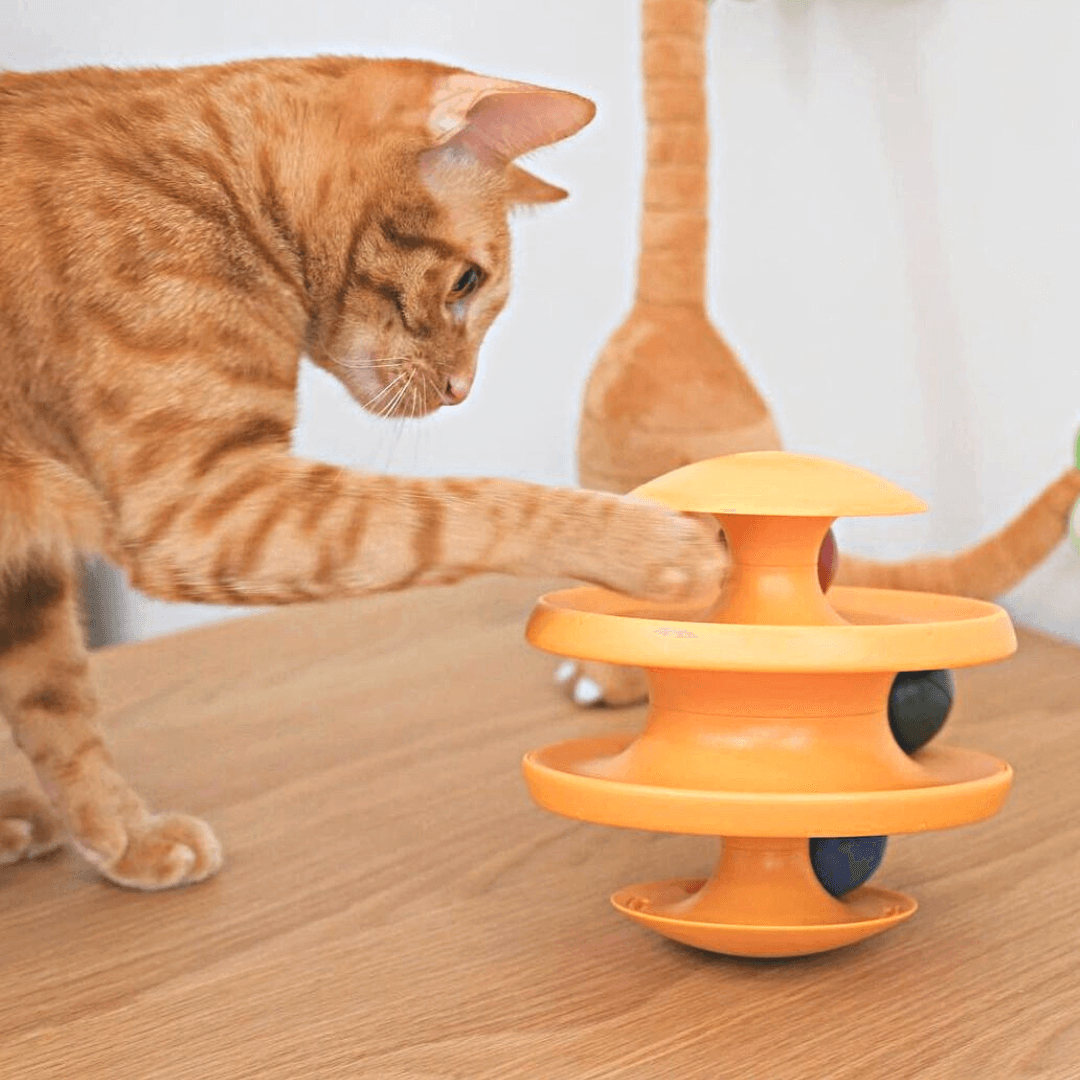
{"points": [[768, 721]]}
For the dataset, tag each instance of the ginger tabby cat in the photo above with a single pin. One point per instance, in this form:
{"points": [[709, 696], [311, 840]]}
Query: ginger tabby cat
{"points": [[171, 244]]}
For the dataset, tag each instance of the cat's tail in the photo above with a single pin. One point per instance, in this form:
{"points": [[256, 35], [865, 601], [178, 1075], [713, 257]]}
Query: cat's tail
{"points": [[987, 570], [673, 250]]}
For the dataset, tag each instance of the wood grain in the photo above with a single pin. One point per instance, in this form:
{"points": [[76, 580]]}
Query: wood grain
{"points": [[393, 906]]}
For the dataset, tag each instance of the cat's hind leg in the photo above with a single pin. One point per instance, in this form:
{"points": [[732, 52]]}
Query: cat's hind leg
{"points": [[28, 826], [47, 697]]}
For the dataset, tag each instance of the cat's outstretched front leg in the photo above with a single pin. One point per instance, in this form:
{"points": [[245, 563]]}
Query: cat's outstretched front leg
{"points": [[46, 695], [262, 527]]}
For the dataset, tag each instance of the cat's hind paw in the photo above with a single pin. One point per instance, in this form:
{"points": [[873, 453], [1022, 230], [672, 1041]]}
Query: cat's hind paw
{"points": [[161, 851], [28, 827], [588, 684]]}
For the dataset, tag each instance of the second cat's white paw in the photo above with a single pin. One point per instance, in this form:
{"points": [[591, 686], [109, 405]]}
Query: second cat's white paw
{"points": [[589, 684], [565, 672]]}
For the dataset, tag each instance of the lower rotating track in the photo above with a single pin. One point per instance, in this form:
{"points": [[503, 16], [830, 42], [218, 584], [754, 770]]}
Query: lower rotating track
{"points": [[956, 787]]}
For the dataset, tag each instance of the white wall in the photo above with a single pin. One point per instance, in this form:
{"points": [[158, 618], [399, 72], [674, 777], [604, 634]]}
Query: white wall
{"points": [[896, 243]]}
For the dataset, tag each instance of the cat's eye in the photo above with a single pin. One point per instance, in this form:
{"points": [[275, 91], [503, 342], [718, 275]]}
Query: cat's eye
{"points": [[467, 284]]}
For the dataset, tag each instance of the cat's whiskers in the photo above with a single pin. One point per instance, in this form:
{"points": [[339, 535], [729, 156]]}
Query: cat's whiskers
{"points": [[429, 380], [417, 405], [370, 403], [359, 363], [410, 413], [388, 411]]}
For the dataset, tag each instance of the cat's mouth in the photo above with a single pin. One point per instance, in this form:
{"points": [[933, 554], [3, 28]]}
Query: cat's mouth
{"points": [[398, 388]]}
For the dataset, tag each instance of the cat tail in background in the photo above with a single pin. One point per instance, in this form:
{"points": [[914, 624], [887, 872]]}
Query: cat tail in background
{"points": [[675, 193], [987, 570], [667, 388]]}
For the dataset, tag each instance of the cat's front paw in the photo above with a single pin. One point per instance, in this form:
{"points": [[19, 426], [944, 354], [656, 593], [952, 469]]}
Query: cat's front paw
{"points": [[664, 555], [28, 826], [156, 851], [589, 684]]}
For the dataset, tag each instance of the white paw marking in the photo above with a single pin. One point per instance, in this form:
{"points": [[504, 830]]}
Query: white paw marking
{"points": [[565, 672], [587, 691]]}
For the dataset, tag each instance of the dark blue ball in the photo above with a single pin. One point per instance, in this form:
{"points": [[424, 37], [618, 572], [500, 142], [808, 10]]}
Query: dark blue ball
{"points": [[919, 705], [844, 863]]}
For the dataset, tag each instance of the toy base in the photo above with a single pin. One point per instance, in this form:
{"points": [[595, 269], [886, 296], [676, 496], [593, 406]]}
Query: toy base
{"points": [[764, 899], [662, 906]]}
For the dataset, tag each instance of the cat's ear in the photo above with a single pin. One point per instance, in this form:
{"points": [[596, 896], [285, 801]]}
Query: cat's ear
{"points": [[496, 121], [523, 188]]}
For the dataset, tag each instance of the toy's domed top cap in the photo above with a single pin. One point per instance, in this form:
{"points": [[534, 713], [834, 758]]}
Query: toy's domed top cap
{"points": [[778, 484]]}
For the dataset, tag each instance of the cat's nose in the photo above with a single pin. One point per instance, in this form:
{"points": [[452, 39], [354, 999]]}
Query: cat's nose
{"points": [[457, 389]]}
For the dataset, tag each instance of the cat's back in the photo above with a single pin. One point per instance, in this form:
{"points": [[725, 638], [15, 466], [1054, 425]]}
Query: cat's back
{"points": [[63, 137], [85, 152], [58, 129], [81, 128], [53, 122]]}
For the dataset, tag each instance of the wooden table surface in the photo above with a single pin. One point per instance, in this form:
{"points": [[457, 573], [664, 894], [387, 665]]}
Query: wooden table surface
{"points": [[393, 905]]}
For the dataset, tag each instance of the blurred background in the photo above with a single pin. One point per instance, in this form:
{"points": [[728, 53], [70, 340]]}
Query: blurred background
{"points": [[895, 242]]}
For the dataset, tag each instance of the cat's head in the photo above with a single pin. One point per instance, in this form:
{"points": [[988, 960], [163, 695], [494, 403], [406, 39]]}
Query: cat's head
{"points": [[426, 265]]}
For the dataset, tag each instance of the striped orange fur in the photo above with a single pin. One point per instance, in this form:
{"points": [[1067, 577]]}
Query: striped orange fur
{"points": [[172, 242]]}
